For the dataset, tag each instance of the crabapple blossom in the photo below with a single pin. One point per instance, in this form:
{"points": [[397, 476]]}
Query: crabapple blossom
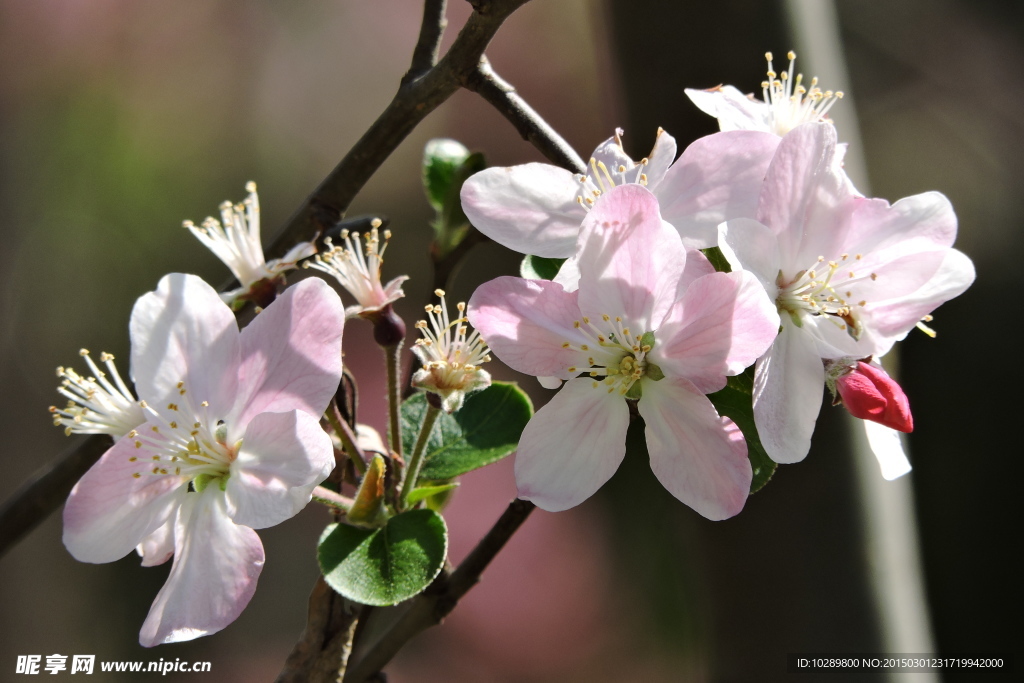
{"points": [[358, 268], [96, 405], [235, 240], [849, 275], [231, 442], [538, 208], [636, 329], [451, 358], [787, 102]]}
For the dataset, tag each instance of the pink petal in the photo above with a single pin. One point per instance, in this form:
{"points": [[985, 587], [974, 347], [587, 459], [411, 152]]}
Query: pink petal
{"points": [[733, 109], [291, 354], [531, 208], [629, 259], [748, 245], [696, 267], [110, 512], [721, 325], [788, 383], [660, 159], [527, 322], [184, 332], [158, 547], [699, 457], [717, 178], [283, 457], [216, 565], [572, 446], [806, 199], [927, 218]]}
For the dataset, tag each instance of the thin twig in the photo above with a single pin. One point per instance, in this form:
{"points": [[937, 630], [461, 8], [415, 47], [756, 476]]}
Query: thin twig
{"points": [[412, 470], [432, 606], [424, 56], [534, 129]]}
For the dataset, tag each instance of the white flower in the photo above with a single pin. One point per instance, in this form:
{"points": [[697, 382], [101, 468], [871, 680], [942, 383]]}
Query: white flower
{"points": [[451, 358], [787, 102], [95, 404], [358, 270], [235, 239]]}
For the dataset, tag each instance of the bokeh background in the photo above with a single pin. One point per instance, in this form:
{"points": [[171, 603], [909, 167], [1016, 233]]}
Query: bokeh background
{"points": [[121, 118]]}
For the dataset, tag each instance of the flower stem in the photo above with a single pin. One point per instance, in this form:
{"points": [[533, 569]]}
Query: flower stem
{"points": [[393, 354], [348, 439], [332, 499], [412, 471]]}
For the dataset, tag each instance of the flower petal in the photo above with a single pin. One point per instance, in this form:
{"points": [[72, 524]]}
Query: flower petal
{"points": [[717, 178], [526, 323], [110, 511], [630, 260], [748, 245], [887, 446], [530, 208], [733, 109], [158, 547], [660, 159], [184, 332], [291, 354], [282, 458], [788, 383], [216, 565], [722, 324], [700, 457], [572, 446]]}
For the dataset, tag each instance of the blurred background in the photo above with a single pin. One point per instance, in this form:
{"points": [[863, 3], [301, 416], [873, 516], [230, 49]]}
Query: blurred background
{"points": [[119, 119]]}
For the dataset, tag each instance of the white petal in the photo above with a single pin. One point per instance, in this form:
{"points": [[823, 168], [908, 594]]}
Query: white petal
{"points": [[788, 384], [700, 457], [549, 382], [887, 446], [158, 547], [569, 274], [733, 109], [748, 245], [216, 565], [184, 332], [291, 355], [110, 511], [283, 457], [572, 446], [660, 159], [531, 208]]}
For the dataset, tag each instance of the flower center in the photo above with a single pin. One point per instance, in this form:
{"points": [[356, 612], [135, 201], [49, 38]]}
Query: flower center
{"points": [[182, 439], [95, 404], [617, 358], [447, 349], [827, 289], [790, 102], [355, 266]]}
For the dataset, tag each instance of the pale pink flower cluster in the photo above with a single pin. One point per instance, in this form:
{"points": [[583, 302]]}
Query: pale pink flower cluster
{"points": [[820, 274], [225, 439]]}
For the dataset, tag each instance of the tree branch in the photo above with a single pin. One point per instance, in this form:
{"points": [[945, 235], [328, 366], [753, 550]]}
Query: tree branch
{"points": [[424, 56], [534, 129], [322, 652], [432, 606], [44, 493]]}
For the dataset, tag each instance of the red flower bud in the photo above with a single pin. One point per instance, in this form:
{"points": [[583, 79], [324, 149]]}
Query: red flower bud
{"points": [[870, 394]]}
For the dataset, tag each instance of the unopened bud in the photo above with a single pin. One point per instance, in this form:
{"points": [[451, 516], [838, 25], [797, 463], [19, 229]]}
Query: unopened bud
{"points": [[870, 394]]}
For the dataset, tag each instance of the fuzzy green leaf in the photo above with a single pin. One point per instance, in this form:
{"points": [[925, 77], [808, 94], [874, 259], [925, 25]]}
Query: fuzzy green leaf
{"points": [[735, 401], [540, 268], [387, 565]]}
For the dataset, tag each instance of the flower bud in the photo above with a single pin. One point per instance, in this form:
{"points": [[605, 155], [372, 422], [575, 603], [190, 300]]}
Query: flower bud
{"points": [[870, 394]]}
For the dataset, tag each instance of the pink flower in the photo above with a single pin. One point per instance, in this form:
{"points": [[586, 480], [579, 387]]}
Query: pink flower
{"points": [[231, 443], [871, 394], [538, 208], [637, 328], [850, 276], [787, 102]]}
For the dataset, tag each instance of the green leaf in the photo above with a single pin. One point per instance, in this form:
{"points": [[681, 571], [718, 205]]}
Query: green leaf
{"points": [[735, 401], [540, 268], [717, 259], [419, 493], [485, 430], [441, 158], [387, 565]]}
